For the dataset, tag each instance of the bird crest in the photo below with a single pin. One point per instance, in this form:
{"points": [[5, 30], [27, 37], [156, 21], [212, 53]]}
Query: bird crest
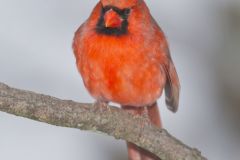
{"points": [[120, 3]]}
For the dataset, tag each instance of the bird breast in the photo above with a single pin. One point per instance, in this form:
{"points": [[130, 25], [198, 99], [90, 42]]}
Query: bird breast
{"points": [[120, 70]]}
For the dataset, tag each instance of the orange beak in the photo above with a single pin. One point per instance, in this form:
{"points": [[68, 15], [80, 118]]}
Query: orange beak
{"points": [[112, 19]]}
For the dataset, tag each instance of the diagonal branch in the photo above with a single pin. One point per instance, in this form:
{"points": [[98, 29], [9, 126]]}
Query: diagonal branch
{"points": [[112, 121]]}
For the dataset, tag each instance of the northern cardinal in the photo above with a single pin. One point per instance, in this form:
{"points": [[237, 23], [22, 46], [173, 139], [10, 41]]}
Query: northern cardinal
{"points": [[123, 57]]}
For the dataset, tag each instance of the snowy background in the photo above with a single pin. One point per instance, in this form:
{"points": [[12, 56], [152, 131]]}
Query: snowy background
{"points": [[35, 54]]}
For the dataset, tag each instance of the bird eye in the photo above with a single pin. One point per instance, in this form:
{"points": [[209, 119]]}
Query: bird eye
{"points": [[126, 11], [107, 8]]}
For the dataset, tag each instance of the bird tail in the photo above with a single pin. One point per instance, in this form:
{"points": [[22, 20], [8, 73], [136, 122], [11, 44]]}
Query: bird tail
{"points": [[135, 152]]}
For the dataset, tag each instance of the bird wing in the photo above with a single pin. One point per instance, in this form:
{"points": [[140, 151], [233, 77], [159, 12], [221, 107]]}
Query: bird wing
{"points": [[172, 86], [76, 39]]}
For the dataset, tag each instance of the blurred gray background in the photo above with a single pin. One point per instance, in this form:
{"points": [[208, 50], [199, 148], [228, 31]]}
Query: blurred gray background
{"points": [[35, 54]]}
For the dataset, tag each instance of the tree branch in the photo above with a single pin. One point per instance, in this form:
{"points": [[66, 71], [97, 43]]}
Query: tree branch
{"points": [[113, 121]]}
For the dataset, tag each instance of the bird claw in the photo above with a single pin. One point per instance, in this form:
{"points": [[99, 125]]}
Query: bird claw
{"points": [[146, 117], [102, 106]]}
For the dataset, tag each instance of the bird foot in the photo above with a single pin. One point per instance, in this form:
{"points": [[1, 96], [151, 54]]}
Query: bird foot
{"points": [[102, 106], [145, 116]]}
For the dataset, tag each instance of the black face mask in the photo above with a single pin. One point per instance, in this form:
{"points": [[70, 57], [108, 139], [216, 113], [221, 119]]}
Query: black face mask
{"points": [[123, 13]]}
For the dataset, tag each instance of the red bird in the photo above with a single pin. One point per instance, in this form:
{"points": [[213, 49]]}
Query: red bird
{"points": [[123, 57]]}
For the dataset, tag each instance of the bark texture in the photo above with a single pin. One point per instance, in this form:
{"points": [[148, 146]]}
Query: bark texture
{"points": [[111, 121]]}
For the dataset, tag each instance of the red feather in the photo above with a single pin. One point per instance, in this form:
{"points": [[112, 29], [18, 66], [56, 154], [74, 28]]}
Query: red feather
{"points": [[131, 69]]}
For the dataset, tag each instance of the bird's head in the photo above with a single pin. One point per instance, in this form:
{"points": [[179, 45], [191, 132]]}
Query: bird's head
{"points": [[121, 4], [114, 16]]}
